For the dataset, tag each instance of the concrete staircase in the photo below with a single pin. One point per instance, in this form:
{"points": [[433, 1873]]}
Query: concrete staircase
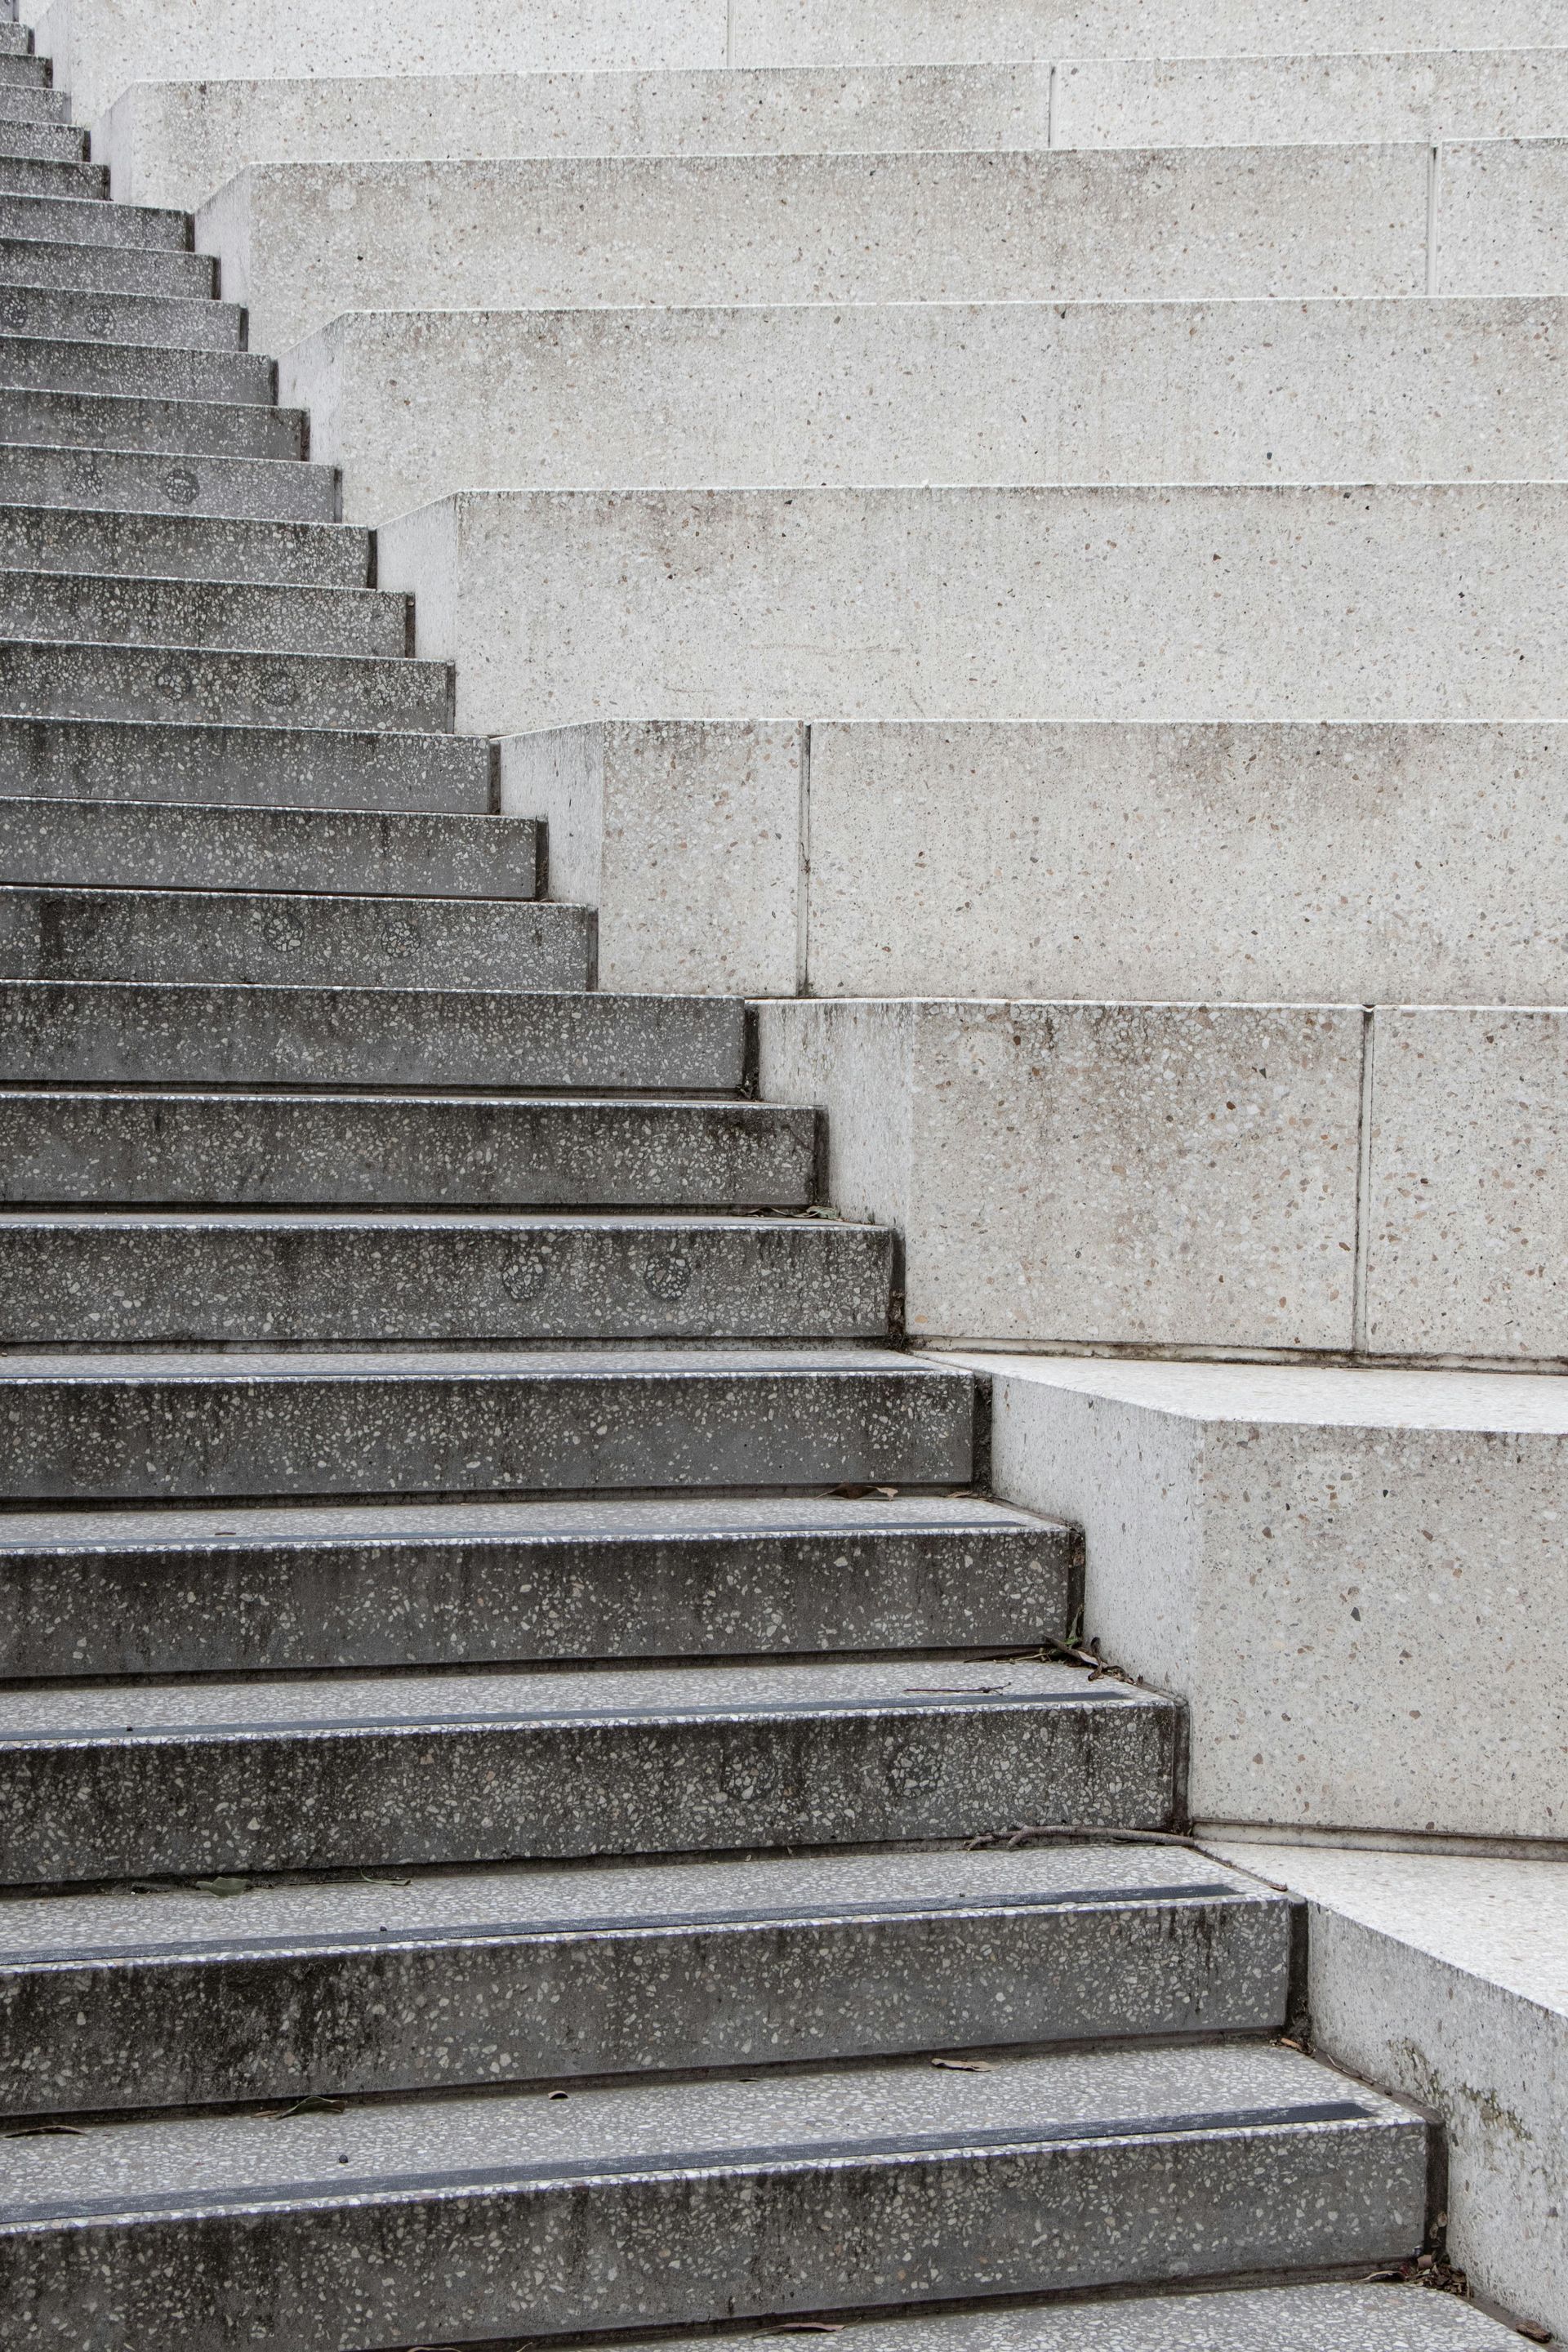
{"points": [[519, 1705]]}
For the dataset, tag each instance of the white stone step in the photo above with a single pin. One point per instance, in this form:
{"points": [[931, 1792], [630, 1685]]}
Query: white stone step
{"points": [[301, 243], [175, 142], [1252, 864], [1352, 1573], [1448, 1972], [411, 405], [1177, 605]]}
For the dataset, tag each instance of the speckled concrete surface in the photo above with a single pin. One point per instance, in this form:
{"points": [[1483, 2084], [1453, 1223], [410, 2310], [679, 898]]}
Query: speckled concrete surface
{"points": [[82, 844], [103, 538], [257, 489], [230, 936], [857, 2186], [334, 1281], [249, 617], [378, 1151], [52, 220], [1274, 2319], [178, 1032], [336, 767], [121, 318], [515, 1975], [457, 1584], [234, 428], [155, 1426], [50, 366], [180, 1779], [123, 681], [98, 270]]}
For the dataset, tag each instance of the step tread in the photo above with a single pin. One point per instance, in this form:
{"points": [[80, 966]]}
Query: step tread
{"points": [[346, 770], [90, 221], [1330, 2318], [27, 360], [133, 543], [588, 1898], [818, 2115], [650, 1363]]}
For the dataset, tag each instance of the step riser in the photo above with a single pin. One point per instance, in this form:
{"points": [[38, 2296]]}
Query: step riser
{"points": [[105, 481], [34, 106], [51, 141], [74, 608], [111, 227], [276, 1607], [261, 1149], [86, 844], [106, 270], [110, 1440], [19, 71], [75, 1032], [97, 681], [39, 310], [681, 2246], [49, 173], [304, 1284], [373, 1799], [39, 364], [100, 541], [98, 760], [457, 2012], [202, 429]]}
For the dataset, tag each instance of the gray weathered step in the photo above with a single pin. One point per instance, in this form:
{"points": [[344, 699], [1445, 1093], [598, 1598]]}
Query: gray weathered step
{"points": [[530, 1765], [1329, 2318], [368, 1150], [337, 768], [273, 937], [151, 483], [248, 615], [158, 1426], [40, 680], [15, 40], [212, 428], [31, 104], [237, 1278], [139, 318], [71, 220], [106, 270], [423, 1584], [661, 2203], [145, 845], [51, 172], [20, 69], [47, 142], [111, 1031], [41, 363], [181, 546], [507, 1975]]}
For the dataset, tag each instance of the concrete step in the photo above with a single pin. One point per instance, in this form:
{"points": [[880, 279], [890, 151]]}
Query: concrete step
{"points": [[205, 428], [41, 363], [164, 1426], [297, 939], [368, 1150], [301, 244], [106, 270], [30, 104], [102, 760], [256, 489], [53, 143], [127, 682], [155, 1780], [509, 1976], [495, 1583], [644, 2204], [67, 221], [102, 539], [411, 405], [49, 173], [152, 1033], [234, 1279], [149, 845], [121, 318], [21, 71], [1193, 605], [74, 607], [15, 40], [1329, 2318]]}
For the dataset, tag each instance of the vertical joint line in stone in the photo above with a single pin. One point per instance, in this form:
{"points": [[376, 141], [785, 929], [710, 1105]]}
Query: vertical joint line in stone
{"points": [[1051, 106], [729, 33], [803, 868], [1363, 1178], [1434, 183]]}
